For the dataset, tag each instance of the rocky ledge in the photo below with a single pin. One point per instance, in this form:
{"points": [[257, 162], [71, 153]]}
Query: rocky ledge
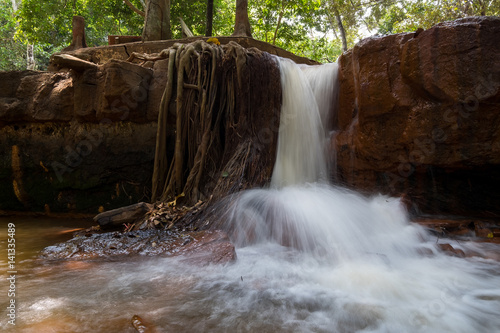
{"points": [[419, 117], [197, 247]]}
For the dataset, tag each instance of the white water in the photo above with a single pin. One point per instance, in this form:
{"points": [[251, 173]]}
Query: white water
{"points": [[305, 105], [311, 258], [360, 260]]}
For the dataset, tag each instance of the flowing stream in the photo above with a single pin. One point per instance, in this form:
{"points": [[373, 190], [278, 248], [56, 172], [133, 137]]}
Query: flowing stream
{"points": [[312, 257]]}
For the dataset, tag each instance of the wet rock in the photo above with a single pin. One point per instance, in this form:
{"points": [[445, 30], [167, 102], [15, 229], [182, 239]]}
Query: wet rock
{"points": [[141, 326], [488, 230], [447, 248], [198, 247], [448, 227], [419, 117], [75, 167], [116, 218], [208, 247]]}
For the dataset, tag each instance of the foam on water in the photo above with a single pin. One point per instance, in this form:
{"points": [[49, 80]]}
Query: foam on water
{"points": [[271, 288]]}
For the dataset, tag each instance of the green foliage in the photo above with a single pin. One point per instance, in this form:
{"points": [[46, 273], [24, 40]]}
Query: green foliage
{"points": [[47, 25], [299, 26], [193, 12], [51, 21], [404, 16], [12, 53], [224, 17], [306, 27]]}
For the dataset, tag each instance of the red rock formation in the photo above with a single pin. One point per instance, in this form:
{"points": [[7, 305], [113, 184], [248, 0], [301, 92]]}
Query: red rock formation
{"points": [[419, 116]]}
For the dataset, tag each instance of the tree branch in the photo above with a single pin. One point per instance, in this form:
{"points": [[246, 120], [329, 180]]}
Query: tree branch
{"points": [[282, 12], [134, 8]]}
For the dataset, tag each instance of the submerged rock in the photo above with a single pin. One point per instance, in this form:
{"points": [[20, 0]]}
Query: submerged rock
{"points": [[140, 326], [198, 247]]}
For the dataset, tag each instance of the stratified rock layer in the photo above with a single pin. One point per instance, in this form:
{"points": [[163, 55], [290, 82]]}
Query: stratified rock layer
{"points": [[76, 140], [420, 117]]}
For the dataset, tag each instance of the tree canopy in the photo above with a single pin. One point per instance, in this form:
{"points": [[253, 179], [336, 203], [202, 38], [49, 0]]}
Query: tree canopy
{"points": [[318, 29]]}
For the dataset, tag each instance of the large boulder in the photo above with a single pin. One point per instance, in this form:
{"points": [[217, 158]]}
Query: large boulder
{"points": [[420, 117]]}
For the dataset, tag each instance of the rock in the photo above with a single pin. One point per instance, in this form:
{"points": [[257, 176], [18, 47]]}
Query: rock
{"points": [[141, 326], [81, 139], [197, 247], [487, 229], [209, 247], [75, 167], [448, 249], [84, 138], [419, 117], [30, 96], [125, 90], [157, 88], [116, 218], [449, 227], [102, 54]]}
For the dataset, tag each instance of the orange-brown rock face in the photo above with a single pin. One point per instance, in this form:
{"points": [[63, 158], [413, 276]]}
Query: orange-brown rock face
{"points": [[420, 117]]}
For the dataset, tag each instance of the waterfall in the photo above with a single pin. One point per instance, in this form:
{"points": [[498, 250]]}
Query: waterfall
{"points": [[301, 209], [306, 102], [357, 259]]}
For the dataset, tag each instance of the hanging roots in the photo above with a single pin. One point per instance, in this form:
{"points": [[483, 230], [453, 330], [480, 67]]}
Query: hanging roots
{"points": [[205, 141]]}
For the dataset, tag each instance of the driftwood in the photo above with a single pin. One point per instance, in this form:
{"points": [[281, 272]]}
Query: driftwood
{"points": [[68, 61], [116, 218]]}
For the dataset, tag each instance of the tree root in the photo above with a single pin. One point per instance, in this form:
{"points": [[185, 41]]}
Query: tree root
{"points": [[213, 146]]}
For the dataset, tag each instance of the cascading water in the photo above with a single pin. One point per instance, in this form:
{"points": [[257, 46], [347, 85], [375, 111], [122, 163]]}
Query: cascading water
{"points": [[360, 261], [300, 209], [311, 258], [300, 156]]}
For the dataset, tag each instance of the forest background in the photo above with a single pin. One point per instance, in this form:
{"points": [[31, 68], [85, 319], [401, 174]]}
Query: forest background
{"points": [[317, 29]]}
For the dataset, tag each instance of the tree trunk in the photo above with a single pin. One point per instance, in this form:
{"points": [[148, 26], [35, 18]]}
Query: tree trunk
{"points": [[78, 40], [242, 24], [14, 5], [210, 17], [135, 9], [30, 57], [341, 29], [157, 21], [279, 21]]}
